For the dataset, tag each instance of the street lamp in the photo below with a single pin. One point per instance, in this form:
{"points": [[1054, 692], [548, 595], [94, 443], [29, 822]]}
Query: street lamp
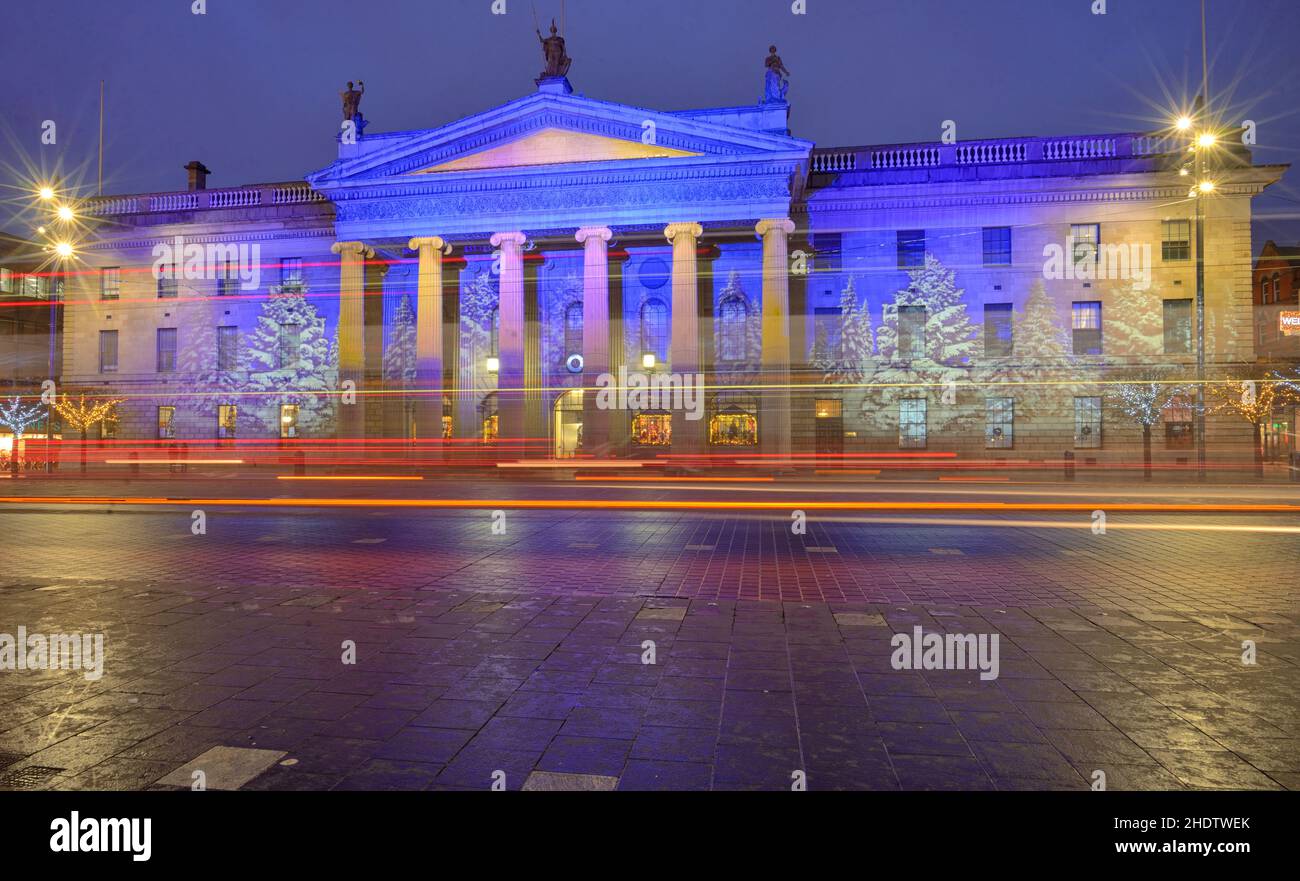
{"points": [[1200, 148], [45, 192]]}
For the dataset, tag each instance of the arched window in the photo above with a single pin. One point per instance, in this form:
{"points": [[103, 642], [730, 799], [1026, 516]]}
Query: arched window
{"points": [[1277, 287], [487, 417], [495, 344], [572, 331], [733, 315], [1264, 289], [654, 328], [733, 420]]}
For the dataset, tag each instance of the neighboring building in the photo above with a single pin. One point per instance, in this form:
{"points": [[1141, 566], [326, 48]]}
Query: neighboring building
{"points": [[30, 326], [452, 274], [1276, 297]]}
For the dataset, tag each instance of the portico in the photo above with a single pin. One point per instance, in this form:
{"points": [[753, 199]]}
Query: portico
{"points": [[568, 237]]}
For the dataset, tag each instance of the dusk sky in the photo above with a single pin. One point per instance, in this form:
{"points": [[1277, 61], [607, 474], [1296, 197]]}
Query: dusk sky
{"points": [[251, 89]]}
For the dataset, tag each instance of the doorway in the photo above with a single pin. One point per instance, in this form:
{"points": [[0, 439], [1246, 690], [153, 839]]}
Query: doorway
{"points": [[566, 424]]}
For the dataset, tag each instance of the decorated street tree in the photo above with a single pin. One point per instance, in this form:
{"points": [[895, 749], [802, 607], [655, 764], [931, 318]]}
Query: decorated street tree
{"points": [[18, 418], [944, 356], [1252, 400], [399, 354], [1144, 399], [290, 360], [83, 415]]}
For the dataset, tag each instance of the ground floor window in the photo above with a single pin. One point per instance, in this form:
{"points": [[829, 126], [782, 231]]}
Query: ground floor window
{"points": [[733, 422], [999, 423], [109, 425], [489, 424], [227, 416], [288, 421], [1178, 425], [1087, 422], [911, 424], [652, 428], [166, 422]]}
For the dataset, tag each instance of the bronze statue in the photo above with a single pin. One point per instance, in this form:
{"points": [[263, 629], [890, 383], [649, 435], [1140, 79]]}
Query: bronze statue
{"points": [[352, 100], [776, 83], [557, 63]]}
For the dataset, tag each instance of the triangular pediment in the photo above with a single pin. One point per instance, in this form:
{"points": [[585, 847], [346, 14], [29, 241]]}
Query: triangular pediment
{"points": [[556, 146]]}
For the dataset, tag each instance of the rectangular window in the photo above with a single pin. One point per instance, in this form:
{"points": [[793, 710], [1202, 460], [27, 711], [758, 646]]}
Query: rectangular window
{"points": [[911, 332], [6, 281], [168, 287], [227, 280], [1087, 423], [228, 348], [108, 351], [1085, 321], [1178, 327], [36, 287], [288, 420], [828, 335], [290, 340], [997, 330], [110, 282], [1086, 239], [828, 249], [108, 425], [166, 422], [291, 272], [999, 423], [227, 419], [1175, 240], [911, 424], [911, 248], [997, 246], [166, 349]]}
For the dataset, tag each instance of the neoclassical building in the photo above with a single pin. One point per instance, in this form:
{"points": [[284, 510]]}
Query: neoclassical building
{"points": [[461, 286]]}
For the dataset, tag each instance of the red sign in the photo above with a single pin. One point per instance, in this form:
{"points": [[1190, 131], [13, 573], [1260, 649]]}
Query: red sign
{"points": [[1288, 323]]}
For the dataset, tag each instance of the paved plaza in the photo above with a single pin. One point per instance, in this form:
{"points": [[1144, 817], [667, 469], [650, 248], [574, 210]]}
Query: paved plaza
{"points": [[395, 649]]}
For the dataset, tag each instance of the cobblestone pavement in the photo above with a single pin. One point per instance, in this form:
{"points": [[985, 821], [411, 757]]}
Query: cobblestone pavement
{"points": [[523, 653]]}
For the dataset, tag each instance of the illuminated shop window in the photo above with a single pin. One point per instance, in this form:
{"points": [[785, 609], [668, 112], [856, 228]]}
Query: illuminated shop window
{"points": [[732, 422], [491, 429], [167, 422], [828, 408], [446, 417], [109, 425], [227, 417], [288, 420], [652, 428], [489, 425]]}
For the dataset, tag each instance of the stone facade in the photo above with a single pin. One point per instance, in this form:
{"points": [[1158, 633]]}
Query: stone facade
{"points": [[553, 240]]}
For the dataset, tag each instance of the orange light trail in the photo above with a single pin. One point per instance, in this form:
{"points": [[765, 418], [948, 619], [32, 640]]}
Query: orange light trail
{"points": [[659, 505]]}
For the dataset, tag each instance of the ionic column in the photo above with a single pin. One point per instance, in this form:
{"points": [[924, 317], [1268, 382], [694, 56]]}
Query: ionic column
{"points": [[428, 337], [352, 322], [774, 416], [684, 356], [510, 375], [595, 334]]}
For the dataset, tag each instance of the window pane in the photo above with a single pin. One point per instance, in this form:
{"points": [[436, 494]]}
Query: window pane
{"points": [[911, 423], [732, 315], [1087, 422], [572, 330], [1178, 327], [291, 272], [911, 248], [166, 361], [999, 423], [1086, 238], [1086, 323], [997, 246], [288, 420], [227, 419], [911, 332], [828, 332], [107, 351], [997, 330], [166, 422], [290, 341], [654, 329], [227, 348], [1176, 240], [110, 283]]}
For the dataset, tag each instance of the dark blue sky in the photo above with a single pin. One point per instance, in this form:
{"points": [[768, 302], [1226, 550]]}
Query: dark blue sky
{"points": [[251, 88]]}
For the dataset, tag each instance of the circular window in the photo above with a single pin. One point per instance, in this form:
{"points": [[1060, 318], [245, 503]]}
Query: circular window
{"points": [[654, 273], [574, 363]]}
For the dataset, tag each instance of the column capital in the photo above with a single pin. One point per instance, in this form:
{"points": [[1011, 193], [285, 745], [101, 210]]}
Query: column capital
{"points": [[774, 224], [436, 242], [603, 233], [355, 249], [502, 238], [673, 230]]}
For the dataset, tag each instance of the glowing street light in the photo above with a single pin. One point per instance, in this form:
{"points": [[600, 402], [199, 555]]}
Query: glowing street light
{"points": [[1206, 139], [1206, 186], [65, 213], [648, 360], [1183, 123], [45, 193], [64, 250], [493, 365]]}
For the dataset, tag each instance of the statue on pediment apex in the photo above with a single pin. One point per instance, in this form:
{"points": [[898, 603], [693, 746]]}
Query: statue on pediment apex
{"points": [[776, 81], [557, 62]]}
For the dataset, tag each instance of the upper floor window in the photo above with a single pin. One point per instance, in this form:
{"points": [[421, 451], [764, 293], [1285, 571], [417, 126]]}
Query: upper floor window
{"points": [[1265, 291], [108, 351], [166, 360], [227, 348], [911, 248], [1086, 239], [997, 246], [290, 342], [168, 287], [733, 315], [911, 332], [1085, 321], [1175, 240], [828, 332], [6, 281], [654, 329], [291, 272], [572, 330], [110, 282], [1178, 327], [997, 330], [227, 279]]}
